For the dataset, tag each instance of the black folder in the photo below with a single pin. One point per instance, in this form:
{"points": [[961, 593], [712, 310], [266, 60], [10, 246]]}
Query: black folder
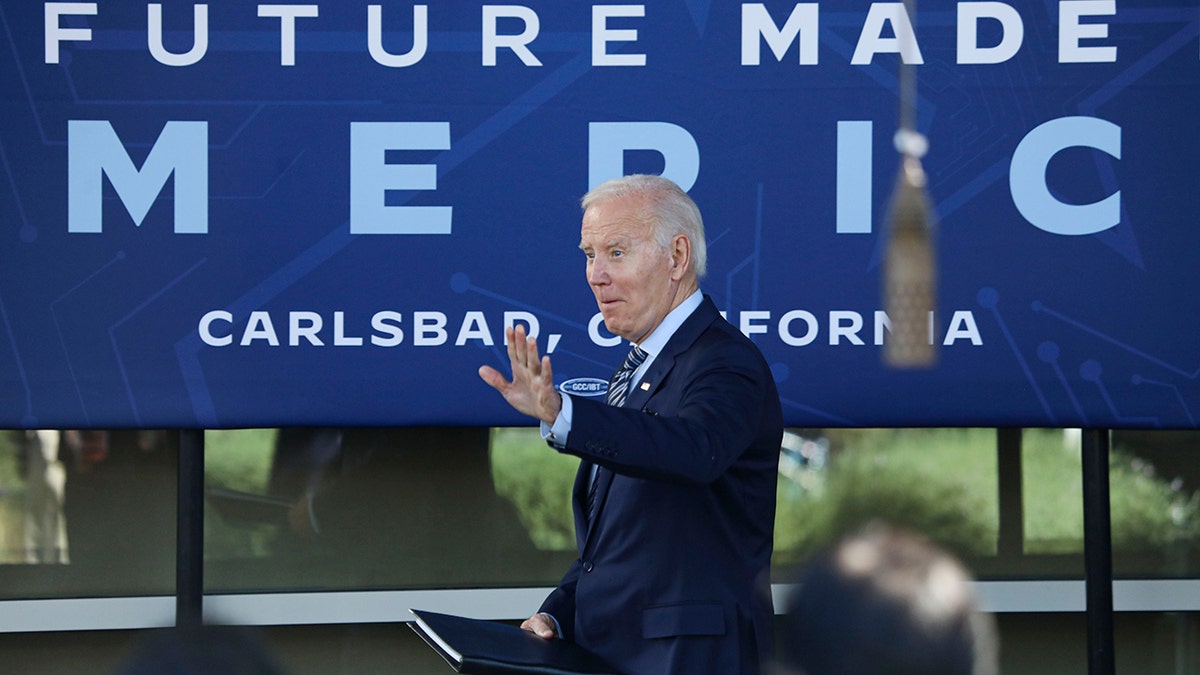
{"points": [[481, 647]]}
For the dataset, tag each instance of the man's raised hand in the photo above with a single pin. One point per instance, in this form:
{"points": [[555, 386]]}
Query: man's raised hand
{"points": [[531, 390]]}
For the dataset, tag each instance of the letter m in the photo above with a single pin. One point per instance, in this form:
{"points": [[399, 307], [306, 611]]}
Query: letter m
{"points": [[94, 151], [802, 23]]}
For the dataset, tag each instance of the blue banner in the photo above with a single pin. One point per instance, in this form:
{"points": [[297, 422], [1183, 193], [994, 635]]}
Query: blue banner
{"points": [[233, 214]]}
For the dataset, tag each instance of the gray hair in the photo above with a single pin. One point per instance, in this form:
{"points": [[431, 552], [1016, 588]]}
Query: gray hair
{"points": [[670, 211]]}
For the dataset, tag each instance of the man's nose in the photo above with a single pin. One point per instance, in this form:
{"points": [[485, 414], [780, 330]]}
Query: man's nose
{"points": [[597, 273]]}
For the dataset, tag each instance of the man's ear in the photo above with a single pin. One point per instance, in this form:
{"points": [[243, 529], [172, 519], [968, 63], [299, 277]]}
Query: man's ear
{"points": [[681, 256]]}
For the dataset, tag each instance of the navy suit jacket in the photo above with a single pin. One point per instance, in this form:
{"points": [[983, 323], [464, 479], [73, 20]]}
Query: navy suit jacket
{"points": [[673, 577]]}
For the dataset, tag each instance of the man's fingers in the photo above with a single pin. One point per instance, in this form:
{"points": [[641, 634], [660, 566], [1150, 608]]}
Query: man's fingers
{"points": [[531, 390], [515, 346], [531, 356], [493, 377], [539, 625], [522, 353]]}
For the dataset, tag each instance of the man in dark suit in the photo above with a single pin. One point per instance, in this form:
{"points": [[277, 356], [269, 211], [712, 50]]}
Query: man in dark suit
{"points": [[675, 497]]}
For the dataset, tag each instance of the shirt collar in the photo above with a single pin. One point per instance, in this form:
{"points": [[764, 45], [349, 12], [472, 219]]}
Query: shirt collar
{"points": [[671, 323]]}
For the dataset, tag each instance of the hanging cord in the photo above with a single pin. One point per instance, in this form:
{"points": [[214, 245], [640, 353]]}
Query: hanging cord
{"points": [[910, 277]]}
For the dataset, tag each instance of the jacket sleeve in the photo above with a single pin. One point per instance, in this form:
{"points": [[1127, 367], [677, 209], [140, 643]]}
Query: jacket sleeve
{"points": [[560, 604], [692, 429]]}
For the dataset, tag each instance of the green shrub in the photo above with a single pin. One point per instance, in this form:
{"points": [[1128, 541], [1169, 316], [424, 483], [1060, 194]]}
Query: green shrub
{"points": [[939, 481], [538, 481], [934, 481], [943, 482]]}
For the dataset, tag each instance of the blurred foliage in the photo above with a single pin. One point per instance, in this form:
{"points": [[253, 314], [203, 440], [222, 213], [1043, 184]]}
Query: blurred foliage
{"points": [[538, 482], [12, 495], [942, 482], [938, 481], [10, 475], [239, 459]]}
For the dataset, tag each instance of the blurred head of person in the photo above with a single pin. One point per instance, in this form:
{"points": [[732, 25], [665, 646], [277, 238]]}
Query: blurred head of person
{"points": [[886, 601]]}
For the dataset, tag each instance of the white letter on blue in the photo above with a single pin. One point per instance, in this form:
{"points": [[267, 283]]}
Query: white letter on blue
{"points": [[608, 141], [854, 177], [371, 176], [1027, 176], [93, 151]]}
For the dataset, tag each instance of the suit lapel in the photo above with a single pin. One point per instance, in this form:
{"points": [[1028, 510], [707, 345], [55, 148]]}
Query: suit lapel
{"points": [[583, 528], [637, 397], [650, 381], [681, 341]]}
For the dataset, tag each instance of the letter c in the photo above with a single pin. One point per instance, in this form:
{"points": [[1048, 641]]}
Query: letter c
{"points": [[594, 332], [1027, 176], [206, 323]]}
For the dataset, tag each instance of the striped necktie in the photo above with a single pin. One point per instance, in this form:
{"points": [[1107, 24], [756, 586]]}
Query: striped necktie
{"points": [[617, 389]]}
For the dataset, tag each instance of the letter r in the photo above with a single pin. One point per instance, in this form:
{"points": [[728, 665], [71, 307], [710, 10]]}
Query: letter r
{"points": [[608, 141]]}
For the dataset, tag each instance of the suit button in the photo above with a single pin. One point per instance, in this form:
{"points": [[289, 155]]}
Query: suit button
{"points": [[587, 566]]}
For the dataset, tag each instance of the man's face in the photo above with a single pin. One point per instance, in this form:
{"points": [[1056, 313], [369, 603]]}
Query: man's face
{"points": [[632, 277]]}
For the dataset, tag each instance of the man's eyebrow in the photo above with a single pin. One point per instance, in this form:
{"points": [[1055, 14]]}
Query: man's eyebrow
{"points": [[612, 243]]}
